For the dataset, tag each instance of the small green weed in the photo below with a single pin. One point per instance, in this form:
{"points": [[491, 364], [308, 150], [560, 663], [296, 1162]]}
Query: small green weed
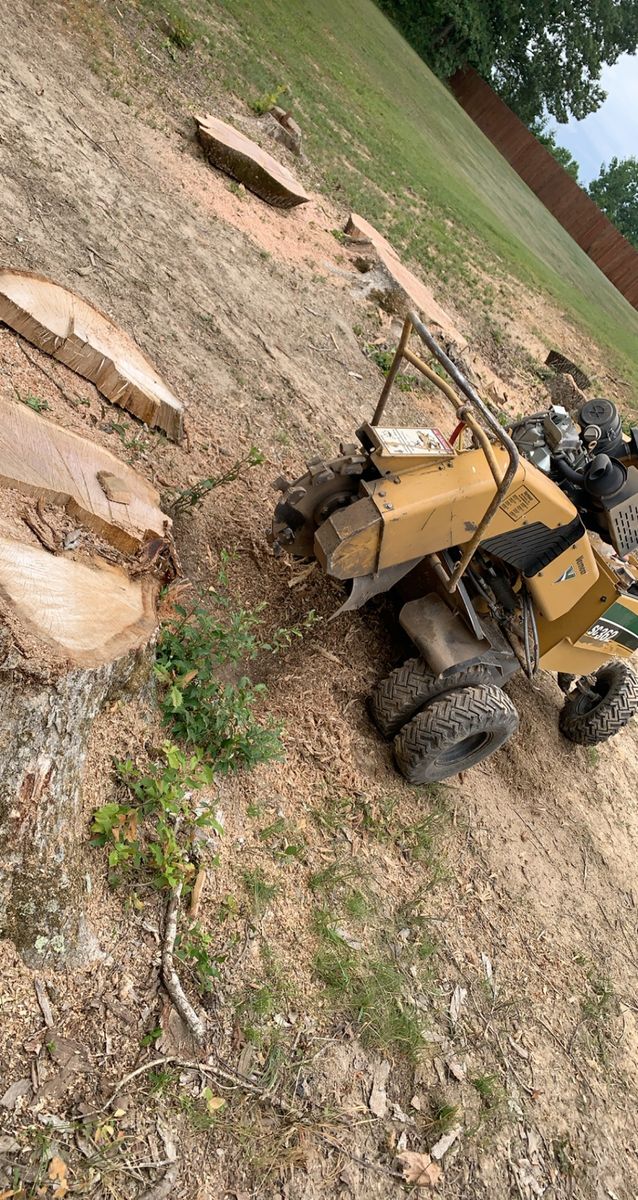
{"points": [[489, 1090], [201, 707], [443, 1116], [151, 1037], [193, 947], [182, 501], [357, 905], [162, 1081], [263, 104], [180, 32], [142, 831], [285, 841], [204, 1111], [339, 236], [370, 992], [34, 402], [563, 1151], [237, 189], [334, 876], [598, 1008], [260, 892], [384, 360]]}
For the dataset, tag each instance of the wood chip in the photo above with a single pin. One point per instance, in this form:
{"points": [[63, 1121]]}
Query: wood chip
{"points": [[443, 1145], [114, 488], [21, 1087], [458, 999], [43, 1000], [378, 1100]]}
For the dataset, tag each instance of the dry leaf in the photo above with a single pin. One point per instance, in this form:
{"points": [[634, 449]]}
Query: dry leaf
{"points": [[419, 1170], [58, 1169]]}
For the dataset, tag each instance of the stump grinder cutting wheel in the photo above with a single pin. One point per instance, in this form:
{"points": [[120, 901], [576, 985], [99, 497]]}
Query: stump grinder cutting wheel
{"points": [[515, 551]]}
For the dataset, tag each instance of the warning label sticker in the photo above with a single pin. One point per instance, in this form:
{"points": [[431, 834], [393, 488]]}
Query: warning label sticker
{"points": [[518, 504], [408, 442]]}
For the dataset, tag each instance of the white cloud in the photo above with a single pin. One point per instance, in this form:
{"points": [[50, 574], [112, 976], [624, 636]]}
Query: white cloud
{"points": [[613, 129]]}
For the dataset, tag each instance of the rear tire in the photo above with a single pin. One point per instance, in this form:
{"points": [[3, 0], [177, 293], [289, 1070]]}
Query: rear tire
{"points": [[405, 690], [587, 720], [454, 732]]}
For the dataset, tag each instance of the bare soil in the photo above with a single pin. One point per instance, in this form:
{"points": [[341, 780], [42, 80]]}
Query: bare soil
{"points": [[520, 874]]}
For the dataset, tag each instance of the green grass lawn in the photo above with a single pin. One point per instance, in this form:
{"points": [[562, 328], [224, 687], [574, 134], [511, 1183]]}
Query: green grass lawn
{"points": [[389, 140]]}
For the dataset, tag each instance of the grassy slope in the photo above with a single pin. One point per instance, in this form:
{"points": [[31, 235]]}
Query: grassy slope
{"points": [[389, 140]]}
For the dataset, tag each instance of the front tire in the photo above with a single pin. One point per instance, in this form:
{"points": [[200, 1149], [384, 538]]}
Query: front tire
{"points": [[454, 732], [592, 717], [405, 690]]}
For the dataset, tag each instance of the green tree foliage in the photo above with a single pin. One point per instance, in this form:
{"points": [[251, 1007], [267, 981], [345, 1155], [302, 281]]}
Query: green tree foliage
{"points": [[548, 138], [616, 192], [541, 55]]}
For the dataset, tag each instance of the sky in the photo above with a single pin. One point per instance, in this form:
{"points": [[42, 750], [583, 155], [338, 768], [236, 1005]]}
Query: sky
{"points": [[613, 129]]}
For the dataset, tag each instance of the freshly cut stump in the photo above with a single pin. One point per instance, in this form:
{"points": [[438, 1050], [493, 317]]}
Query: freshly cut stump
{"points": [[44, 460], [76, 633], [242, 158], [393, 284], [78, 334]]}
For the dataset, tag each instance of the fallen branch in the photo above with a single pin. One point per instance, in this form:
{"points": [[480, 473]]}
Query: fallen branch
{"points": [[170, 977], [222, 1071]]}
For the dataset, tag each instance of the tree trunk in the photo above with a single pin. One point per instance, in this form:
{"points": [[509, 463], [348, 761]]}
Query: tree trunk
{"points": [[44, 727], [77, 624]]}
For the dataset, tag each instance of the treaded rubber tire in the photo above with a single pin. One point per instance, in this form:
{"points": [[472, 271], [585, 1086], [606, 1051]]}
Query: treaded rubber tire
{"points": [[405, 690], [618, 685], [431, 746]]}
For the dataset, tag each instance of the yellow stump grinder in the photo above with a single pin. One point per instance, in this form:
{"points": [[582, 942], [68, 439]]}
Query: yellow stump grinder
{"points": [[515, 551]]}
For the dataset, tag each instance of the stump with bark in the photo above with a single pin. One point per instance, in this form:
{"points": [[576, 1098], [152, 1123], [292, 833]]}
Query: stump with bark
{"points": [[90, 343], [79, 532], [242, 158]]}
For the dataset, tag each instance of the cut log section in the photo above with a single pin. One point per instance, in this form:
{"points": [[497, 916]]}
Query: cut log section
{"points": [[242, 158], [39, 458], [76, 634], [86, 613], [392, 284], [78, 334]]}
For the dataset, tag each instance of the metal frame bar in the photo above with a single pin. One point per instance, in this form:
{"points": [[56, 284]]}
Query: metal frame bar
{"points": [[473, 401]]}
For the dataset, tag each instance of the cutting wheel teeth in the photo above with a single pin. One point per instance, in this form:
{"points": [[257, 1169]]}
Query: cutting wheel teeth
{"points": [[295, 494]]}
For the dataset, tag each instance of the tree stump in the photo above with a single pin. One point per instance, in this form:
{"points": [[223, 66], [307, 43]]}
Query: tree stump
{"points": [[386, 280], [77, 627], [242, 158], [78, 334]]}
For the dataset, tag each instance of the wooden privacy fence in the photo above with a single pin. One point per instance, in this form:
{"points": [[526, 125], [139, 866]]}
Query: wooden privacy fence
{"points": [[571, 206]]}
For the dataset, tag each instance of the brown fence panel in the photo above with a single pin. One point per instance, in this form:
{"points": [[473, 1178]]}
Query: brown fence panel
{"points": [[571, 206]]}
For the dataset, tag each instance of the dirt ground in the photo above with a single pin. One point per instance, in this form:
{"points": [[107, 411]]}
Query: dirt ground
{"points": [[516, 881]]}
